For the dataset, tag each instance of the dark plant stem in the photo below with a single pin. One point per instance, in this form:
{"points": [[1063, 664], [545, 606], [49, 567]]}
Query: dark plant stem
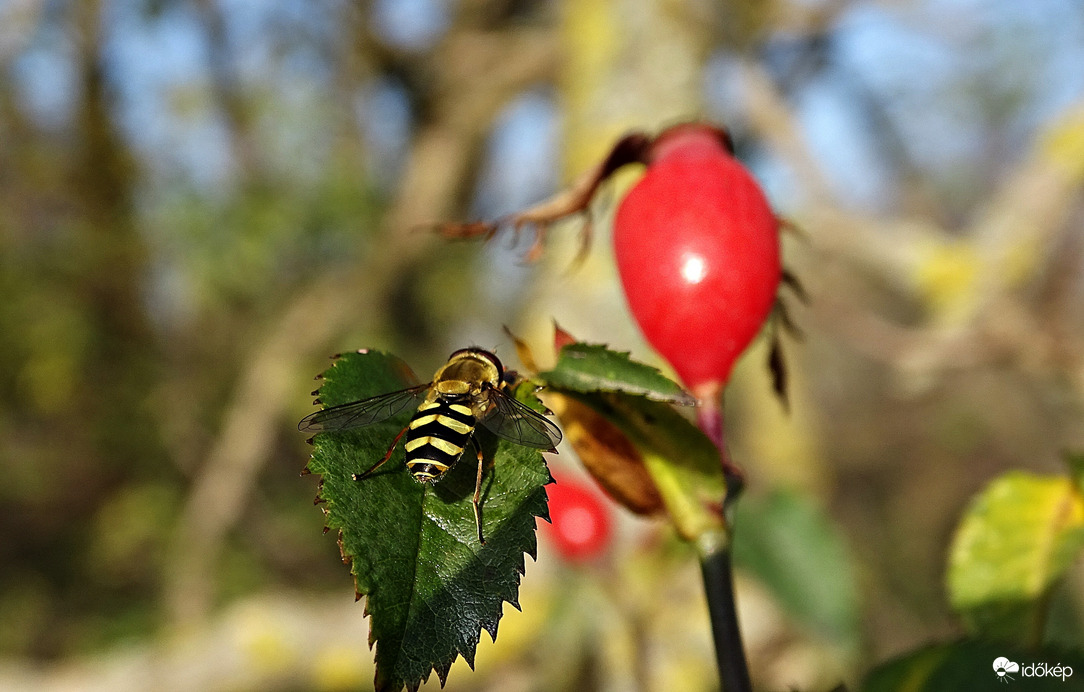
{"points": [[729, 652], [715, 563]]}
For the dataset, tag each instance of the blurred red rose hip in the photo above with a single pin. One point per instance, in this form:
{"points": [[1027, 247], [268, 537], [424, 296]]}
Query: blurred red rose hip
{"points": [[580, 524]]}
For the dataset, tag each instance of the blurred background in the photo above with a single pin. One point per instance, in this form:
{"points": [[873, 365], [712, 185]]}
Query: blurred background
{"points": [[200, 200]]}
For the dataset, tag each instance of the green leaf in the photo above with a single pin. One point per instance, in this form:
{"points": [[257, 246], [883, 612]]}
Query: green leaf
{"points": [[595, 368], [681, 461], [1075, 462], [430, 587], [1014, 543], [636, 399], [794, 550], [969, 665]]}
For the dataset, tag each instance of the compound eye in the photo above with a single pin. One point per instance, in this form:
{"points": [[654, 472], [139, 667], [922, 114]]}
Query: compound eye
{"points": [[496, 361]]}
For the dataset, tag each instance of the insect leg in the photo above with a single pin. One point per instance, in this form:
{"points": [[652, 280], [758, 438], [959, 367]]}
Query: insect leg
{"points": [[363, 476], [478, 494]]}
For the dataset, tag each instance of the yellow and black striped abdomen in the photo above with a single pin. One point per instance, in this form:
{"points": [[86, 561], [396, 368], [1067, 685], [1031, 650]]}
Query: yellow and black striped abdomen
{"points": [[436, 437]]}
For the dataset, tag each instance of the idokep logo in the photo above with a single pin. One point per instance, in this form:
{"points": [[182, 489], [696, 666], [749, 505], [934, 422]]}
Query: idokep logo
{"points": [[1003, 667]]}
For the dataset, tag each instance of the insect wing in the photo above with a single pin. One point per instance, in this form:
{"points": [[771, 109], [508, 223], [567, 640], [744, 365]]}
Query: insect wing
{"points": [[516, 422], [358, 414]]}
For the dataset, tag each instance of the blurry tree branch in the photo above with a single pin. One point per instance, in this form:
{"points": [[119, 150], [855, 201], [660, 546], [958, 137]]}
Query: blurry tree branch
{"points": [[110, 254], [17, 27], [478, 74], [1008, 243], [103, 173]]}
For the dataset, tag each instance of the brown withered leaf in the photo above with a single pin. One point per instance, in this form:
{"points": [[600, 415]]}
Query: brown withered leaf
{"points": [[607, 454]]}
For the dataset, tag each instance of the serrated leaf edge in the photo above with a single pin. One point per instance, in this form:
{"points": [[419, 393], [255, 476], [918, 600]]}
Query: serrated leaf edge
{"points": [[684, 398], [442, 671], [468, 656]]}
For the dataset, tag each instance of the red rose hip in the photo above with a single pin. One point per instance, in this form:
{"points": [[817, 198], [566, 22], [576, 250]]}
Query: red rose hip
{"points": [[697, 249]]}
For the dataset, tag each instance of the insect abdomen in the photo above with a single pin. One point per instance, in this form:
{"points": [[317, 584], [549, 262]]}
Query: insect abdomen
{"points": [[436, 437]]}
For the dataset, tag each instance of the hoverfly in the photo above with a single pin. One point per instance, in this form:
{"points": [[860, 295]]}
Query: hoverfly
{"points": [[471, 389]]}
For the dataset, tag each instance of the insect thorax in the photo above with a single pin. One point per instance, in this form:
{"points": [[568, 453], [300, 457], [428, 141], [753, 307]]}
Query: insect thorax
{"points": [[450, 390], [468, 372]]}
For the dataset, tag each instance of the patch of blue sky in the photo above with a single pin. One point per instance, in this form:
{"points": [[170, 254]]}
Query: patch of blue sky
{"points": [[521, 168], [953, 73], [723, 90], [44, 77], [521, 164], [283, 40], [911, 70], [836, 134], [1063, 75], [843, 145], [410, 24], [949, 75], [166, 103], [384, 117], [1038, 53], [164, 100], [778, 179], [281, 58]]}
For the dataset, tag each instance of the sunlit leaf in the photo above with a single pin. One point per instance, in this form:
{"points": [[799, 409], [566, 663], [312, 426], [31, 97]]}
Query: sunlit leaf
{"points": [[595, 368], [430, 587], [1015, 541]]}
